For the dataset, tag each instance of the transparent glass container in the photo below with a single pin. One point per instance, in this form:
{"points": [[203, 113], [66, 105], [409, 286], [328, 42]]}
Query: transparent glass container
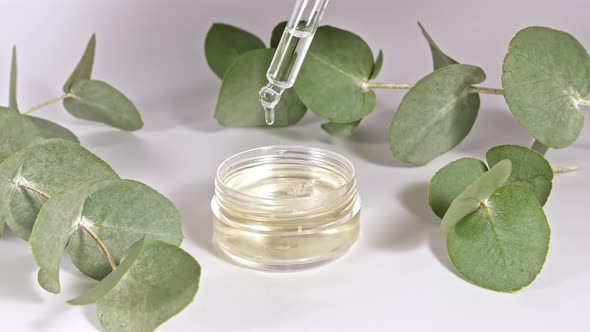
{"points": [[285, 207]]}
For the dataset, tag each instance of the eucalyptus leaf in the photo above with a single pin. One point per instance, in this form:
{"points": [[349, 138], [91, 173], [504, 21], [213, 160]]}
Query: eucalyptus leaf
{"points": [[503, 245], [31, 175], [48, 129], [225, 43], [12, 103], [333, 79], [476, 195], [83, 70], [377, 66], [439, 58], [436, 114], [17, 132], [451, 180], [118, 212], [340, 129], [545, 75], [277, 34], [98, 101], [154, 282], [529, 168], [238, 103]]}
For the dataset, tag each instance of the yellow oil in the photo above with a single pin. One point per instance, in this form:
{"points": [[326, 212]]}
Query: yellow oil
{"points": [[287, 236]]}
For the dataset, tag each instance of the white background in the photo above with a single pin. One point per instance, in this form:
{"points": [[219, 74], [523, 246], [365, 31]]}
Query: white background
{"points": [[398, 276]]}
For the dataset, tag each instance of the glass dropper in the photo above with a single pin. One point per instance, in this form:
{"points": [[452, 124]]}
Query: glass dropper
{"points": [[290, 53]]}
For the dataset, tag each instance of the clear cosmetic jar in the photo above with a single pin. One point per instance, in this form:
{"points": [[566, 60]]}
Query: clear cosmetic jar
{"points": [[285, 207]]}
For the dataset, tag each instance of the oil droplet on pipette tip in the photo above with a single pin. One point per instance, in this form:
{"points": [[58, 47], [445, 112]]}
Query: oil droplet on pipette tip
{"points": [[269, 115], [269, 98]]}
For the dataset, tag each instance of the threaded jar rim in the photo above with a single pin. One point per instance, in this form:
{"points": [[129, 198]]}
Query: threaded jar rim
{"points": [[345, 194]]}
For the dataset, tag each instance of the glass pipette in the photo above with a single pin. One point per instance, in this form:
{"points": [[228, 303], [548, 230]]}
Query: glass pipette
{"points": [[290, 53]]}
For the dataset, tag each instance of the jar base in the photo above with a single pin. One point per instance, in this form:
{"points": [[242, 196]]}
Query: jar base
{"points": [[278, 267]]}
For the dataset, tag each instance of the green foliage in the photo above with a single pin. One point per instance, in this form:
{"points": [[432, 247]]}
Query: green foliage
{"points": [[529, 168], [503, 245], [238, 103], [476, 194], [224, 43], [162, 278], [83, 70], [497, 233], [332, 80], [119, 212], [17, 132], [98, 101], [73, 200], [277, 34], [47, 129], [377, 66], [546, 74], [452, 180], [60, 196], [340, 129], [439, 58], [31, 175], [12, 103], [428, 124]]}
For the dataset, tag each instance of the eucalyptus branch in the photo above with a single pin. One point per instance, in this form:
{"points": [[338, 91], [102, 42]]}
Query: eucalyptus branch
{"points": [[407, 86], [33, 189], [49, 102], [100, 244]]}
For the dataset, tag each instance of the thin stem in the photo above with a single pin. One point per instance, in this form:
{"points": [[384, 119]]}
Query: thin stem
{"points": [[584, 102], [100, 244], [403, 86], [564, 169], [406, 86], [33, 189], [489, 91], [49, 102], [540, 147]]}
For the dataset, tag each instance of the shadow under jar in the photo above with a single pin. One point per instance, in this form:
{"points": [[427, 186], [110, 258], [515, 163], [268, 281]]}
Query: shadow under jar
{"points": [[285, 207]]}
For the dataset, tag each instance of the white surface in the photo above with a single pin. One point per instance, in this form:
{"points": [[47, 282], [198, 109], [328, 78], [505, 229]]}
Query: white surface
{"points": [[398, 277]]}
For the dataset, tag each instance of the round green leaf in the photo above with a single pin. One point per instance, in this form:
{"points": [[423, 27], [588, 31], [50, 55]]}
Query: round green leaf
{"points": [[154, 282], [118, 212], [225, 43], [238, 104], [277, 34], [529, 168], [98, 101], [545, 74], [476, 195], [17, 132], [452, 180], [83, 70], [333, 80], [503, 245], [340, 129], [436, 114], [48, 129], [30, 175]]}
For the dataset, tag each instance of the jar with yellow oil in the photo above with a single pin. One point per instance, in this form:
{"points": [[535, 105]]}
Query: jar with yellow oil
{"points": [[285, 207]]}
